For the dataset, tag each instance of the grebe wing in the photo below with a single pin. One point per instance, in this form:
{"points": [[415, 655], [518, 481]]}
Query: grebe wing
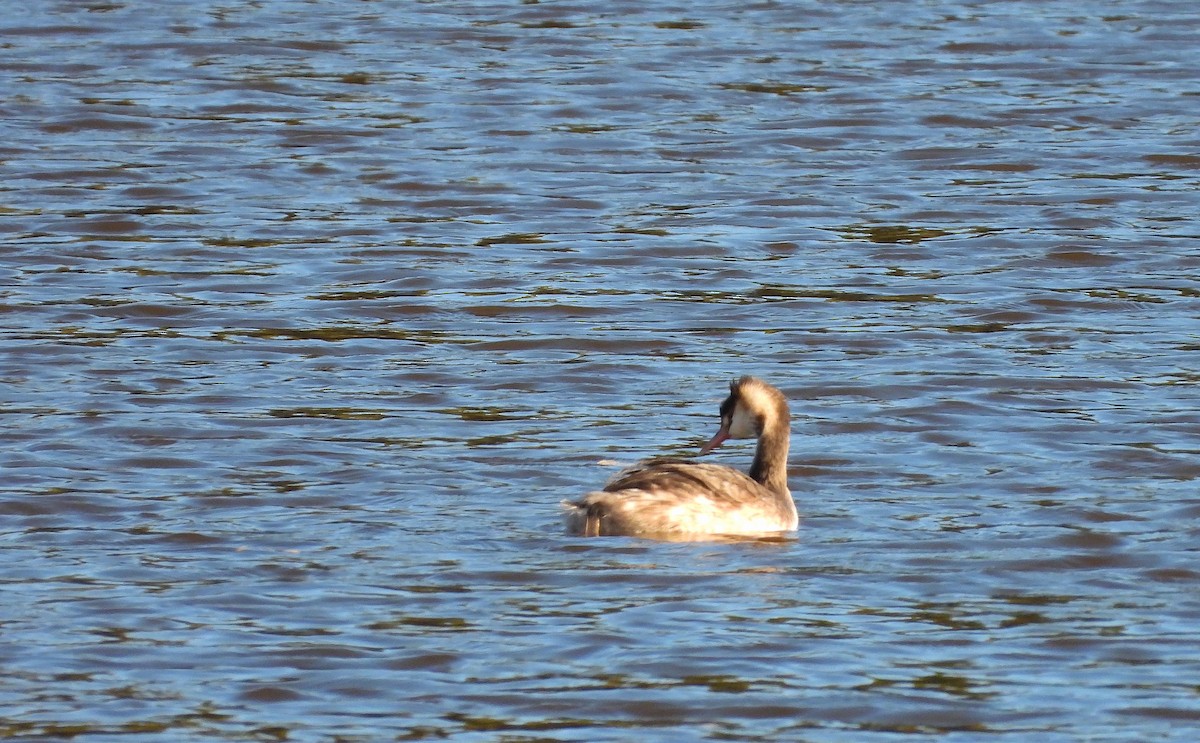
{"points": [[716, 481], [675, 497]]}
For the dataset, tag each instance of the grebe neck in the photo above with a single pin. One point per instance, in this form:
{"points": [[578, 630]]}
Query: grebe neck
{"points": [[770, 457]]}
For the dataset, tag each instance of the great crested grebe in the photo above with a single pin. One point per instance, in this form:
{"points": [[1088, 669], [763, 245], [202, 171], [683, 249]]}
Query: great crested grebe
{"points": [[675, 498]]}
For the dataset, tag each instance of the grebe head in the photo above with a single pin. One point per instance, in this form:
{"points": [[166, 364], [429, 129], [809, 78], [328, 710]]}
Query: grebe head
{"points": [[750, 403]]}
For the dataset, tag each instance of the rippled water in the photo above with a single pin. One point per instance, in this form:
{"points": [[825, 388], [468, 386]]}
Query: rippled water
{"points": [[313, 311]]}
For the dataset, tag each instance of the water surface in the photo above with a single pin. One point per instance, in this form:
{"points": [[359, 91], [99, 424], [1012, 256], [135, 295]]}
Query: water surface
{"points": [[314, 311]]}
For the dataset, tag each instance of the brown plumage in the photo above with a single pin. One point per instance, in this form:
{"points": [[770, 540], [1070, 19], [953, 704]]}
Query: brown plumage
{"points": [[677, 498]]}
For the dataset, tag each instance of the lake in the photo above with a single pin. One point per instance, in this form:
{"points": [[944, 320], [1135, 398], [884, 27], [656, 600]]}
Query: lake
{"points": [[315, 311]]}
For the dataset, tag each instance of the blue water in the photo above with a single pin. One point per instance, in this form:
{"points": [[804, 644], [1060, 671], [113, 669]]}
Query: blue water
{"points": [[315, 311]]}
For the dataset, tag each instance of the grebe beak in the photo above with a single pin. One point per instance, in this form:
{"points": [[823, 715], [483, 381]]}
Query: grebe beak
{"points": [[721, 437]]}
